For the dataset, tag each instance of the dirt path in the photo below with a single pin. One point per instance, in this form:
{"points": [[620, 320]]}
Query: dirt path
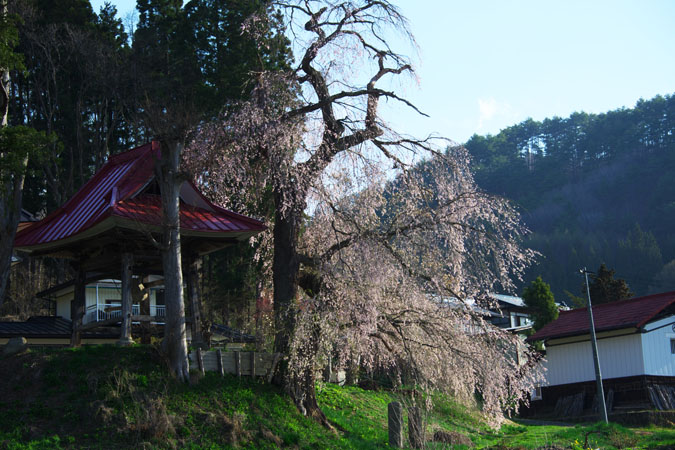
{"points": [[544, 422]]}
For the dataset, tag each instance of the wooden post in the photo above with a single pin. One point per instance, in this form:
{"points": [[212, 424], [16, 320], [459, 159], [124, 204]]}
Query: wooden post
{"points": [[415, 429], [194, 300], [237, 363], [200, 360], [77, 306], [141, 295], [252, 364], [219, 362], [125, 329], [395, 419]]}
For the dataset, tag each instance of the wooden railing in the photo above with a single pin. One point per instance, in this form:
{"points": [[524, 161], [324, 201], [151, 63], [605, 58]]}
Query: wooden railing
{"points": [[101, 312]]}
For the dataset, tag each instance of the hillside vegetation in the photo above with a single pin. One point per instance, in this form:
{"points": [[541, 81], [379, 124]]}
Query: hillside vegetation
{"points": [[107, 397], [593, 188]]}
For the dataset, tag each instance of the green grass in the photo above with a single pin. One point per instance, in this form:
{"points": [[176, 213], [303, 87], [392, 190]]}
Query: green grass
{"points": [[108, 397]]}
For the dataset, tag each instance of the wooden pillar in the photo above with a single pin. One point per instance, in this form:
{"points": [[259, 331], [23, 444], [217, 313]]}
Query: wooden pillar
{"points": [[194, 265], [141, 295], [237, 363], [200, 360], [125, 329], [219, 362], [77, 306]]}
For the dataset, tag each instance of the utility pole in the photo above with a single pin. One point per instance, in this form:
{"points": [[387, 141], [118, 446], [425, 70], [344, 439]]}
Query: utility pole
{"points": [[594, 346]]}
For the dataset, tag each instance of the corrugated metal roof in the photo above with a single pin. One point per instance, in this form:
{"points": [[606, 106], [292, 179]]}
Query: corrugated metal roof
{"points": [[114, 191], [147, 209], [49, 327], [633, 312], [37, 326], [510, 299]]}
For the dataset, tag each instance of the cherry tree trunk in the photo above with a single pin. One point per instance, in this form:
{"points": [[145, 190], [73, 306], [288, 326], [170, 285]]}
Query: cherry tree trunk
{"points": [[175, 340], [302, 385], [285, 270], [286, 267]]}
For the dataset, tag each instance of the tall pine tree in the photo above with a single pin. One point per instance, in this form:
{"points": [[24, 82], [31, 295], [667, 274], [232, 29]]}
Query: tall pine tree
{"points": [[539, 299]]}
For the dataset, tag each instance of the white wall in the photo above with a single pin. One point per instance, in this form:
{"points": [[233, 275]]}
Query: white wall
{"points": [[619, 356], [63, 305], [658, 359]]}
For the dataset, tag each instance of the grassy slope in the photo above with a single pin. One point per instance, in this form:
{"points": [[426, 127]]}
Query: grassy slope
{"points": [[106, 397]]}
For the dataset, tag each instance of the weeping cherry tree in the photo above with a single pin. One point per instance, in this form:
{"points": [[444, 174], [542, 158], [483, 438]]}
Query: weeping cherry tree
{"points": [[398, 235]]}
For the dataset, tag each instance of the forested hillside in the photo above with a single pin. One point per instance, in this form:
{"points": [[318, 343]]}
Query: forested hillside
{"points": [[593, 188]]}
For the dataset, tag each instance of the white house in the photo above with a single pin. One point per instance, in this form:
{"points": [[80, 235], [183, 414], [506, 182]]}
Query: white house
{"points": [[103, 300], [636, 348], [511, 312]]}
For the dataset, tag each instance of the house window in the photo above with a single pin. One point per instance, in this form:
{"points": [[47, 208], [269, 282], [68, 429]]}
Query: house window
{"points": [[672, 346], [535, 394], [159, 297]]}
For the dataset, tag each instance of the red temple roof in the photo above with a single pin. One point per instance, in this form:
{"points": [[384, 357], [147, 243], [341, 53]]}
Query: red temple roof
{"points": [[115, 196], [631, 313]]}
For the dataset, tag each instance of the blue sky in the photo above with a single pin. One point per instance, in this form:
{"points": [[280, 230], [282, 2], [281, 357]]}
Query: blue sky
{"points": [[486, 64]]}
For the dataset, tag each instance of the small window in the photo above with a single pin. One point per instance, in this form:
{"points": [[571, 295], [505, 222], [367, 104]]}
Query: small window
{"points": [[159, 297], [535, 394], [672, 346]]}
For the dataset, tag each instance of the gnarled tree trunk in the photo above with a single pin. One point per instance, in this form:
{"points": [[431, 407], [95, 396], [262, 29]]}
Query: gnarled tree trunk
{"points": [[285, 276]]}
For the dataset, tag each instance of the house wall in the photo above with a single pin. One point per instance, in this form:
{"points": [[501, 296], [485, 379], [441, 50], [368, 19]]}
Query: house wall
{"points": [[620, 356], [63, 305], [656, 347]]}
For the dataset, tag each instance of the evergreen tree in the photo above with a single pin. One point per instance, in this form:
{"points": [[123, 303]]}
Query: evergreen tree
{"points": [[18, 144], [604, 288], [539, 299], [639, 257], [664, 281]]}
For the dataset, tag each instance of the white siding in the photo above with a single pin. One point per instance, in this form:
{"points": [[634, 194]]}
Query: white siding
{"points": [[658, 359], [619, 356], [63, 306], [104, 293]]}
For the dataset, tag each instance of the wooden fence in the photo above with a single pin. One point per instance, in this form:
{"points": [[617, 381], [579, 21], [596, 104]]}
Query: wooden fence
{"points": [[236, 363]]}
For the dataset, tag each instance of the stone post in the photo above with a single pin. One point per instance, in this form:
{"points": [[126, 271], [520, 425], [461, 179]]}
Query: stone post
{"points": [[415, 429], [395, 413]]}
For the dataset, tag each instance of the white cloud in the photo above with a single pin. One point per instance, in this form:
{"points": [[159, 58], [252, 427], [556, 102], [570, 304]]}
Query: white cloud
{"points": [[492, 112]]}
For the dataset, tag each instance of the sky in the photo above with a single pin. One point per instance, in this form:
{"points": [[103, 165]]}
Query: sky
{"points": [[483, 65]]}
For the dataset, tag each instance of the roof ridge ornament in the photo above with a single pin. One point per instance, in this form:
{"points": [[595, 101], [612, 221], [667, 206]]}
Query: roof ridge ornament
{"points": [[113, 197]]}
